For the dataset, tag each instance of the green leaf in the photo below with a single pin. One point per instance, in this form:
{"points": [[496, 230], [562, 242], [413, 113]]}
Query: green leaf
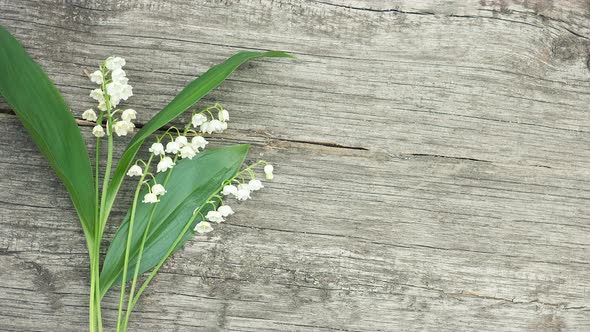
{"points": [[185, 99], [47, 118], [189, 186]]}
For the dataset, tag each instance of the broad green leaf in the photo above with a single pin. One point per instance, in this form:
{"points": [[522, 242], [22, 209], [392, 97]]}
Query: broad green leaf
{"points": [[185, 99], [189, 186], [47, 118]]}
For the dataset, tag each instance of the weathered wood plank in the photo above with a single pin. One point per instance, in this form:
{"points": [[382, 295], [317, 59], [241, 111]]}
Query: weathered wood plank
{"points": [[431, 165], [464, 241]]}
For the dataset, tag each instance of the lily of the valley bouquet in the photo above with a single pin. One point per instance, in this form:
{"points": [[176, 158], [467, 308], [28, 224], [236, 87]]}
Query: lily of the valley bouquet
{"points": [[181, 187]]}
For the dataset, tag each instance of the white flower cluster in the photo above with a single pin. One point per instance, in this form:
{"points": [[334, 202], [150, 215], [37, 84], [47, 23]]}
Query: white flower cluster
{"points": [[114, 82], [241, 192], [215, 125]]}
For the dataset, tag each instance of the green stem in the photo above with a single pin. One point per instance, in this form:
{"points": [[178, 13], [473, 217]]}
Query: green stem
{"points": [[140, 255], [128, 246], [94, 252]]}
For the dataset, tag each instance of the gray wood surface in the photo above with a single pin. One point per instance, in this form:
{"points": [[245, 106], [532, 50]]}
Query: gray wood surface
{"points": [[432, 165]]}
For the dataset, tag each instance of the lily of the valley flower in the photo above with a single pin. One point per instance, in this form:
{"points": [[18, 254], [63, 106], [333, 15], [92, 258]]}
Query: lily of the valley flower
{"points": [[165, 164], [243, 192], [225, 210], [268, 169], [172, 147], [217, 126], [187, 152], [129, 114], [203, 227], [158, 189], [122, 128], [150, 198], [97, 95], [254, 185], [96, 77], [214, 216], [181, 141], [89, 115], [135, 170], [119, 91], [157, 149], [229, 190], [98, 131], [114, 62], [198, 119], [118, 75], [223, 115], [199, 142]]}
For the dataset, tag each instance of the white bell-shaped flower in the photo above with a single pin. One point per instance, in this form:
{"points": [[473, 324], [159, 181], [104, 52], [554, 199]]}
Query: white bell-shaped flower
{"points": [[243, 192], [150, 198], [214, 216], [225, 210], [203, 227], [98, 131], [268, 169], [157, 149], [165, 164], [181, 140], [158, 189], [97, 95], [216, 126], [229, 190], [135, 170], [187, 152], [121, 128], [118, 75], [172, 147], [129, 114], [96, 77], [254, 185], [199, 142], [223, 115], [89, 115], [206, 127], [114, 62], [198, 119]]}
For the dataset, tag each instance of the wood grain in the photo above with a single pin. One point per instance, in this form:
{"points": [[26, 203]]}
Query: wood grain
{"points": [[432, 165]]}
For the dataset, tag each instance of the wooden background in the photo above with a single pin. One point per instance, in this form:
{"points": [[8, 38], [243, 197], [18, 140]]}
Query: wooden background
{"points": [[432, 165]]}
